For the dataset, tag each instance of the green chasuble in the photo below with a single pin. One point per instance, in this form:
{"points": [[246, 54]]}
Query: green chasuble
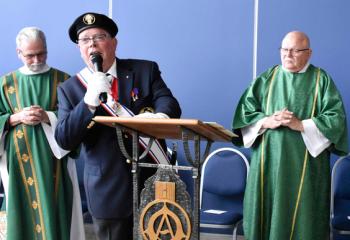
{"points": [[39, 200], [288, 191]]}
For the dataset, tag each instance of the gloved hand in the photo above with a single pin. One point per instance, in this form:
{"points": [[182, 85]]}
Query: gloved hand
{"points": [[98, 84], [152, 115]]}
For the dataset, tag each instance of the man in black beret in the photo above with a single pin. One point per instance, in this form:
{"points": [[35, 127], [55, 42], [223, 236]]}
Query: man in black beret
{"points": [[133, 87], [92, 20]]}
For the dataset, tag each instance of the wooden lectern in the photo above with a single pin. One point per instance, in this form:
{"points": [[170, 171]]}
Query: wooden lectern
{"points": [[179, 129]]}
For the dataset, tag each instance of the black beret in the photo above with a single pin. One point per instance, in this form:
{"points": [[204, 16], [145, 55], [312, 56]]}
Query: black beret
{"points": [[92, 20]]}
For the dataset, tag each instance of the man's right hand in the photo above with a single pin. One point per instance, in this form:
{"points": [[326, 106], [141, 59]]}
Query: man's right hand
{"points": [[276, 119], [285, 118], [99, 83], [271, 122]]}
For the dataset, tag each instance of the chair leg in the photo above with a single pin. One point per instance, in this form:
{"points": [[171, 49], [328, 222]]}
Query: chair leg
{"points": [[331, 234], [235, 233], [239, 223]]}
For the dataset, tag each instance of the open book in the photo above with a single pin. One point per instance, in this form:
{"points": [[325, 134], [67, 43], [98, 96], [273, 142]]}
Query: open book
{"points": [[221, 128]]}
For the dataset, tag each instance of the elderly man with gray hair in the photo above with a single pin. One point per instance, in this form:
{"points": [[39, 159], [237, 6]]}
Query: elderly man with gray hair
{"points": [[41, 197]]}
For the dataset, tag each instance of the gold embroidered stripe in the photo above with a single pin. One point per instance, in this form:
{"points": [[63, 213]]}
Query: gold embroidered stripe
{"points": [[262, 159]]}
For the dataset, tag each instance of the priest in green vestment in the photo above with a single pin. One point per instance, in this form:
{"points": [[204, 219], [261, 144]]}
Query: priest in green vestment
{"points": [[292, 117], [42, 201]]}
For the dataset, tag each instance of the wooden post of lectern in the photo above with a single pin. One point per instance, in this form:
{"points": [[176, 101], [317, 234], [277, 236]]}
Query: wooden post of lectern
{"points": [[180, 129]]}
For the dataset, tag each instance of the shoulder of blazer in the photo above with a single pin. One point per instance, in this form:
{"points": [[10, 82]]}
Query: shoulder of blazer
{"points": [[130, 64], [72, 86]]}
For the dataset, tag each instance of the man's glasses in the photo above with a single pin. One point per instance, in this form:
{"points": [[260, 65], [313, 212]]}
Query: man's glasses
{"points": [[33, 55], [96, 38], [293, 51]]}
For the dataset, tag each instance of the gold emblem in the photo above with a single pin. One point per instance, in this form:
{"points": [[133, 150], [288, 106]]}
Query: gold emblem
{"points": [[89, 19], [164, 221], [147, 109], [19, 134], [91, 124], [30, 181], [38, 228], [116, 106], [35, 205], [25, 157], [11, 90]]}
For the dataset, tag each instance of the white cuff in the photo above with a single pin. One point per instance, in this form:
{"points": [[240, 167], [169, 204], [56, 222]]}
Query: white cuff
{"points": [[314, 140], [251, 132], [50, 136]]}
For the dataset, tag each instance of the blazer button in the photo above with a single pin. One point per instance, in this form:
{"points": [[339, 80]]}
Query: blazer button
{"points": [[91, 124]]}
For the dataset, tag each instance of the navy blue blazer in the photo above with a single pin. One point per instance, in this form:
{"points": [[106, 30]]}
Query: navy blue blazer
{"points": [[107, 175]]}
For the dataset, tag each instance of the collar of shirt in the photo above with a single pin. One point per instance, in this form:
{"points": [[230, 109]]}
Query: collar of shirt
{"points": [[302, 70], [27, 71], [113, 70]]}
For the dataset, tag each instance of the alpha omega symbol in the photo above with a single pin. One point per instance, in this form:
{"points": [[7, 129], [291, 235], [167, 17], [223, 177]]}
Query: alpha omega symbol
{"points": [[163, 218]]}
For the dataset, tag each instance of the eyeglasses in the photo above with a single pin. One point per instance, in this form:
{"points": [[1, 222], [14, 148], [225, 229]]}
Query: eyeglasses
{"points": [[33, 55], [96, 38], [293, 51]]}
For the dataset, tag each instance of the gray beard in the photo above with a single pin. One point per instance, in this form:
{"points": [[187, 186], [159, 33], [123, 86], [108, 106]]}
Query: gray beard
{"points": [[36, 67]]}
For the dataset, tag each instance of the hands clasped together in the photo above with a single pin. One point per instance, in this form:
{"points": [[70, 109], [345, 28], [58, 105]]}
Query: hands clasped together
{"points": [[32, 115], [285, 118]]}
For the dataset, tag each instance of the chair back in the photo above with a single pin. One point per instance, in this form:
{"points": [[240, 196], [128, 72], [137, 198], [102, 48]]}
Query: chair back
{"points": [[340, 196], [224, 175]]}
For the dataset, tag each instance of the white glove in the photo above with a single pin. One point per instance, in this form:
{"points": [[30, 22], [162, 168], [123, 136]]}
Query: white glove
{"points": [[152, 115], [99, 83]]}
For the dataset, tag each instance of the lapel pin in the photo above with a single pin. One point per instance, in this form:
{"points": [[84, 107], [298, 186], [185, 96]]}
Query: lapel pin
{"points": [[134, 94]]}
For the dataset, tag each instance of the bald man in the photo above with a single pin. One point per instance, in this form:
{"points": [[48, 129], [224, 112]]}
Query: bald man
{"points": [[292, 116]]}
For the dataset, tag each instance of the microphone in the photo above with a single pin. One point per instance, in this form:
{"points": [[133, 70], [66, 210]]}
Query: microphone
{"points": [[97, 60]]}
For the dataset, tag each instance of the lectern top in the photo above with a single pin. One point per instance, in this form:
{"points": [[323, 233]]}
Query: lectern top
{"points": [[169, 128]]}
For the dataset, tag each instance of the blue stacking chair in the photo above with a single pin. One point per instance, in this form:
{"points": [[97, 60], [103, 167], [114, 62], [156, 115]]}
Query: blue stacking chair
{"points": [[340, 198], [223, 181]]}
